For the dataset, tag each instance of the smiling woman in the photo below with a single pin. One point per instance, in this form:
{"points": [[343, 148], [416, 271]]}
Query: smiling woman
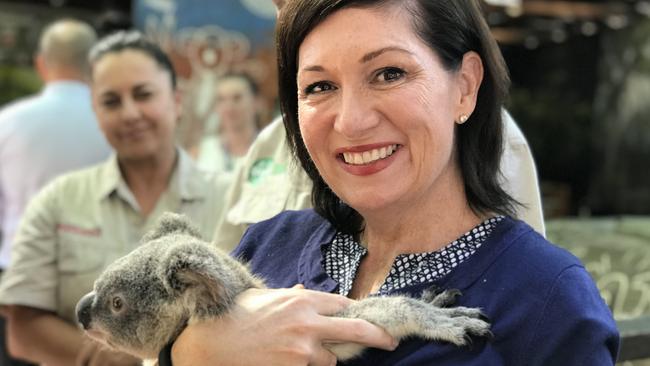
{"points": [[393, 108], [85, 220], [137, 111], [392, 94]]}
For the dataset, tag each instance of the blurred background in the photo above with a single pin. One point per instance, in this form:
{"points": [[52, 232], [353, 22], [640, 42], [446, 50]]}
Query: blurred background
{"points": [[580, 92]]}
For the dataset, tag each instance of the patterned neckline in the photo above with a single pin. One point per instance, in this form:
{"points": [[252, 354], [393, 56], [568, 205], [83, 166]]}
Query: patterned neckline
{"points": [[343, 256]]}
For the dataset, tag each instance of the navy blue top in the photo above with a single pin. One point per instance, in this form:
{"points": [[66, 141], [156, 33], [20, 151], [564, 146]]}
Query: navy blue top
{"points": [[543, 305]]}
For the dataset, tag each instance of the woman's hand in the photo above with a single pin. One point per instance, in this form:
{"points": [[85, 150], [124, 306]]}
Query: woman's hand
{"points": [[95, 354], [276, 327]]}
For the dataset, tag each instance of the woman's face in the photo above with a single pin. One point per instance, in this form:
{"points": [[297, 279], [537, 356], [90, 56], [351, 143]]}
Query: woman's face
{"points": [[235, 102], [236, 107], [135, 103], [377, 110]]}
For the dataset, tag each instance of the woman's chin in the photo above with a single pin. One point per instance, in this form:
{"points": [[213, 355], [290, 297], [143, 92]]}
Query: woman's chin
{"points": [[367, 203], [138, 153]]}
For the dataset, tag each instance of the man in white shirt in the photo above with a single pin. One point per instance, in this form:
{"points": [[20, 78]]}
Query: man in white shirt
{"points": [[50, 133]]}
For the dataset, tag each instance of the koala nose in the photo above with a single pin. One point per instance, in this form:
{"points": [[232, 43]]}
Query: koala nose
{"points": [[83, 309]]}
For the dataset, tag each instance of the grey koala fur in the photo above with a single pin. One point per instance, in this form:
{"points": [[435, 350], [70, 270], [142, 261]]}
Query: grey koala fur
{"points": [[142, 301]]}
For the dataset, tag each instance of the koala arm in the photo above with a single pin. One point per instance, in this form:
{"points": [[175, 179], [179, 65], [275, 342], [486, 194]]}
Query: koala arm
{"points": [[279, 327], [41, 337]]}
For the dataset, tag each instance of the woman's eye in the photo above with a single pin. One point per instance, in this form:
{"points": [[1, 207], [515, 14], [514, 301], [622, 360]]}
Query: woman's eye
{"points": [[143, 95], [110, 103], [390, 74], [319, 87]]}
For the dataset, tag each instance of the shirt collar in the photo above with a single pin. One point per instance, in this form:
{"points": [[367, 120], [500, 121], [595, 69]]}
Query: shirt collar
{"points": [[186, 179], [310, 268], [343, 256], [312, 273], [65, 87], [111, 177], [190, 179]]}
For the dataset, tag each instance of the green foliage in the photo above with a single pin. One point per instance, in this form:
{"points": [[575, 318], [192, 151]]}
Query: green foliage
{"points": [[16, 82]]}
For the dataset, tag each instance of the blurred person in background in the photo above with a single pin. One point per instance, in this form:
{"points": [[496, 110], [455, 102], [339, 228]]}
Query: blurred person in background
{"points": [[47, 134], [237, 107], [84, 220]]}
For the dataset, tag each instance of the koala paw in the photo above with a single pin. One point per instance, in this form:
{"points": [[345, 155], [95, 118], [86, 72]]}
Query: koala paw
{"points": [[404, 316], [440, 298], [457, 325]]}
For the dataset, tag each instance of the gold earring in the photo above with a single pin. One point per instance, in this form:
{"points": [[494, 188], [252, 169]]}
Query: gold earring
{"points": [[463, 118]]}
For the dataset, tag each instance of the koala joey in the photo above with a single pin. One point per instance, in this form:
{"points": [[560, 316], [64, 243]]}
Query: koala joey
{"points": [[142, 301]]}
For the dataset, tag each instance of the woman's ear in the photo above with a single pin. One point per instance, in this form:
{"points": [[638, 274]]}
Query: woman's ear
{"points": [[470, 77]]}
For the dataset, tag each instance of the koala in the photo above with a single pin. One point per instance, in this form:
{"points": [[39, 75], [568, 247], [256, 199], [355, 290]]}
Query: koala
{"points": [[143, 301]]}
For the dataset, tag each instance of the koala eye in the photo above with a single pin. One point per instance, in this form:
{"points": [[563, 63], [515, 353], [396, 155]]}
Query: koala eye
{"points": [[117, 304]]}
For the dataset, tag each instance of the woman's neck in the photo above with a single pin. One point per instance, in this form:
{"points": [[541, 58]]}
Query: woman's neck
{"points": [[422, 221], [418, 229], [387, 239], [148, 178], [423, 225]]}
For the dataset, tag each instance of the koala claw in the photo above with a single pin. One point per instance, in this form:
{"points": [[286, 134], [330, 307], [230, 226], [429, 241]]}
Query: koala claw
{"points": [[445, 298]]}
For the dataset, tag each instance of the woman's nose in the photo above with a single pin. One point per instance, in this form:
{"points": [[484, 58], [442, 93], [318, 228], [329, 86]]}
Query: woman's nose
{"points": [[357, 115], [130, 110]]}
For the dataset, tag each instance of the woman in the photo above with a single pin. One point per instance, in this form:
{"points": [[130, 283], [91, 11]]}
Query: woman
{"points": [[393, 109], [83, 221], [236, 106]]}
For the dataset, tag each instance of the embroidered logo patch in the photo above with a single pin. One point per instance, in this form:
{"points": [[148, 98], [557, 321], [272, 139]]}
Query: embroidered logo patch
{"points": [[263, 168]]}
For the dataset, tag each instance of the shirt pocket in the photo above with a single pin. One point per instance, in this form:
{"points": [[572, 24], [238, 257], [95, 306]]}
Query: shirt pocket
{"points": [[81, 258]]}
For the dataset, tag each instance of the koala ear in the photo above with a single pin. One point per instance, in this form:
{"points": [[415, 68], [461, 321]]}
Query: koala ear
{"points": [[192, 272], [171, 223]]}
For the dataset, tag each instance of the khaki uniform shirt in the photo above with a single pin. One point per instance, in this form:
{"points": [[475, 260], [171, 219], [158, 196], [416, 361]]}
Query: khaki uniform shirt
{"points": [[83, 221], [269, 181], [519, 175]]}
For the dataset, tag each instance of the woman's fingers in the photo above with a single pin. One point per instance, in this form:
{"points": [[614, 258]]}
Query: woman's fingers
{"points": [[307, 305], [85, 354], [294, 298], [341, 330], [322, 357]]}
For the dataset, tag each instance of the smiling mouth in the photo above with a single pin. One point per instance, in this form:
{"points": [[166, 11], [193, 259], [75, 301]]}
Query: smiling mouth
{"points": [[134, 134], [370, 156]]}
